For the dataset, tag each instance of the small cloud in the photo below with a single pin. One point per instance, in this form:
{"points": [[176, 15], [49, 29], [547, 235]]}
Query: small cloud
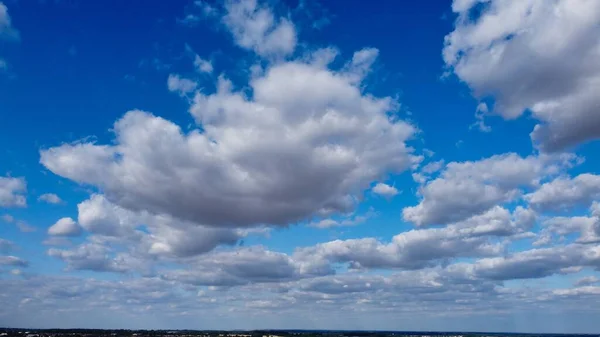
{"points": [[480, 113], [7, 218], [325, 223], [181, 85], [190, 20], [459, 143], [24, 227], [385, 190], [203, 65], [65, 227], [50, 198]]}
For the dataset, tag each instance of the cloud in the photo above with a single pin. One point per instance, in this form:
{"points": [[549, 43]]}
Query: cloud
{"points": [[90, 256], [163, 234], [5, 245], [255, 27], [7, 31], [467, 188], [534, 55], [25, 227], [422, 248], [531, 264], [12, 192], [588, 280], [65, 227], [50, 198], [241, 266], [202, 65], [352, 220], [13, 261], [307, 143], [588, 227], [7, 218], [564, 193], [385, 190], [181, 85]]}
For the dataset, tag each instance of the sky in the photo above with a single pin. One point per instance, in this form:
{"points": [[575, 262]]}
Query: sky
{"points": [[300, 164]]}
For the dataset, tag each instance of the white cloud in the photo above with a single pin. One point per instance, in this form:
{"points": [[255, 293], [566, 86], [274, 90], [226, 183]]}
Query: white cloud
{"points": [[255, 27], [564, 193], [472, 187], [588, 227], [50, 198], [181, 85], [305, 144], [7, 218], [533, 55], [65, 227], [422, 248], [202, 65], [12, 192], [385, 190]]}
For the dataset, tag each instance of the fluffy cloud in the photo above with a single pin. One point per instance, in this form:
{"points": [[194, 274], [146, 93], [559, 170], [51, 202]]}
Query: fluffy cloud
{"points": [[385, 190], [422, 248], [565, 193], [467, 188], [255, 27], [534, 55], [588, 227], [163, 235], [50, 198], [90, 256], [12, 192], [65, 227], [292, 151]]}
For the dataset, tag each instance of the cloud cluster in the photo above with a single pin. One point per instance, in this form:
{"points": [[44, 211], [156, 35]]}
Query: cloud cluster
{"points": [[533, 55], [468, 188], [12, 192]]}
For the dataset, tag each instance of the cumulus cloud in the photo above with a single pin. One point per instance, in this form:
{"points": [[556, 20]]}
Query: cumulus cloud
{"points": [[255, 27], [65, 227], [166, 235], [467, 188], [12, 192], [385, 190], [307, 143], [564, 193], [422, 248], [534, 55], [50, 198]]}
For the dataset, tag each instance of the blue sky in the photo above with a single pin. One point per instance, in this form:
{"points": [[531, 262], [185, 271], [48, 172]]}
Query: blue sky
{"points": [[300, 164]]}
